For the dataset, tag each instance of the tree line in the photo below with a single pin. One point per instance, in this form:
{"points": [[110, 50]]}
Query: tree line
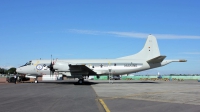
{"points": [[8, 71]]}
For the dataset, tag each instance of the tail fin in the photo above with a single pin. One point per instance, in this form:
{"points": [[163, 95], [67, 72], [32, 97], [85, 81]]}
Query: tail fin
{"points": [[149, 51]]}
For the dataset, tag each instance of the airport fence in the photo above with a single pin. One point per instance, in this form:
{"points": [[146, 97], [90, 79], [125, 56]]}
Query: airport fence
{"points": [[153, 77]]}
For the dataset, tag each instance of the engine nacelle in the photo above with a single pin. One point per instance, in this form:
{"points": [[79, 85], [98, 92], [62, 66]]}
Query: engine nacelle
{"points": [[61, 66]]}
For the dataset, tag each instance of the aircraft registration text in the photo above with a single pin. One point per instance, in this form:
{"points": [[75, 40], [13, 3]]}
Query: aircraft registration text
{"points": [[130, 65]]}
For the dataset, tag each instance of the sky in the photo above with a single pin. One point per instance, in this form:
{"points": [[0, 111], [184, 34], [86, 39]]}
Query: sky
{"points": [[100, 29]]}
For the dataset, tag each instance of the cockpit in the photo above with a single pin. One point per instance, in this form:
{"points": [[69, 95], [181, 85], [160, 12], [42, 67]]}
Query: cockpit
{"points": [[28, 63]]}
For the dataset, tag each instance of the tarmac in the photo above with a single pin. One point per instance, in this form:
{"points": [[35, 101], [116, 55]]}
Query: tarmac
{"points": [[101, 96]]}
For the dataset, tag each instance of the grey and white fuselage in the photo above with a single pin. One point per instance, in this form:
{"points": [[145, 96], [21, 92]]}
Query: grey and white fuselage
{"points": [[149, 57]]}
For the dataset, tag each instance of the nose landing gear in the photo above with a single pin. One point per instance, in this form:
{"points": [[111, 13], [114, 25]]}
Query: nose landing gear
{"points": [[36, 80]]}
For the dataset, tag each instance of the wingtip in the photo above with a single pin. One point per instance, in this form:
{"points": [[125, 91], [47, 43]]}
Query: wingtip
{"points": [[182, 60]]}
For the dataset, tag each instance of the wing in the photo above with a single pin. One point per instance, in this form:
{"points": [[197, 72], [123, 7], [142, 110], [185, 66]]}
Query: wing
{"points": [[81, 69], [156, 59]]}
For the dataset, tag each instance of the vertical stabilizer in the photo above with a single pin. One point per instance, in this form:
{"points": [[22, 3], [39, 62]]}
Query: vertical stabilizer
{"points": [[149, 51]]}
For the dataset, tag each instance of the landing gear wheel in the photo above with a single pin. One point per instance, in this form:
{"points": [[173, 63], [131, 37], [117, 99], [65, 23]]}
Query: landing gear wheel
{"points": [[81, 81], [36, 81]]}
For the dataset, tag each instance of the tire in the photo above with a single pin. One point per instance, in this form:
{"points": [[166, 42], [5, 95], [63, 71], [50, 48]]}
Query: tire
{"points": [[80, 81]]}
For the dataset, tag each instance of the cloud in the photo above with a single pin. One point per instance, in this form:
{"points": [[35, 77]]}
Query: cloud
{"points": [[129, 34], [171, 36], [195, 53], [133, 34], [91, 32], [6, 67]]}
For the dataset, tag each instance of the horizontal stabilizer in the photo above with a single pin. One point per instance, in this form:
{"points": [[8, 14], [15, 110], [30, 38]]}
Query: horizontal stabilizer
{"points": [[182, 60], [157, 59]]}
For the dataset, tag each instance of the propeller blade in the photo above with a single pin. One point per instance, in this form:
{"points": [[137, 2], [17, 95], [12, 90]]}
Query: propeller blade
{"points": [[51, 67]]}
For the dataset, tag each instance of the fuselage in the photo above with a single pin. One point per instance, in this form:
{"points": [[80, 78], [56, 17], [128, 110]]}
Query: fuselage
{"points": [[100, 66]]}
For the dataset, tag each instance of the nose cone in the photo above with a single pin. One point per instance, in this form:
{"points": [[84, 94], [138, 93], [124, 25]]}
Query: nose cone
{"points": [[18, 70]]}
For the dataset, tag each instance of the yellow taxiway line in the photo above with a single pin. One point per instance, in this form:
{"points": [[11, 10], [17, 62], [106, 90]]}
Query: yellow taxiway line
{"points": [[104, 105]]}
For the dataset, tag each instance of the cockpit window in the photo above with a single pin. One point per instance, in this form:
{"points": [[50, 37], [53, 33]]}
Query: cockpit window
{"points": [[28, 63]]}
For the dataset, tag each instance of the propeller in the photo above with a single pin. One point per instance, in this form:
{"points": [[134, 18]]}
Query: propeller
{"points": [[51, 67]]}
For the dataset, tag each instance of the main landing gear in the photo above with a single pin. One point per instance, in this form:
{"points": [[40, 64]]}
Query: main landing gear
{"points": [[36, 81], [81, 81]]}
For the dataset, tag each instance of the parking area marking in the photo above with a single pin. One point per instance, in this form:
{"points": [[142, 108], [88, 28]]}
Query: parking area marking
{"points": [[104, 105]]}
